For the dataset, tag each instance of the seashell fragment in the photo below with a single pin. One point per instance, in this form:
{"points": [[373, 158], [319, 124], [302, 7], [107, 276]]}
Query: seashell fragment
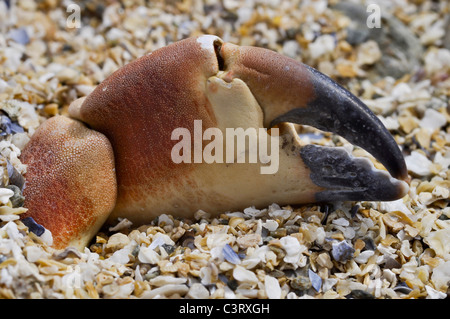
{"points": [[342, 251], [439, 241], [292, 248], [272, 287], [148, 255], [230, 255], [418, 164], [160, 281], [5, 194], [33, 226], [315, 279], [198, 291], [243, 275]]}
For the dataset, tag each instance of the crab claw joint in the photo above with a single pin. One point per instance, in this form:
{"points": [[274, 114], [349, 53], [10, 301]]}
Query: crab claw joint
{"points": [[114, 157]]}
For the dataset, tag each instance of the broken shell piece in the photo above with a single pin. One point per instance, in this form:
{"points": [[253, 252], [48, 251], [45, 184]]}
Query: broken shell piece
{"points": [[244, 275], [432, 120], [163, 280], [5, 194], [418, 164], [198, 291], [315, 279], [272, 287], [33, 226], [292, 248], [230, 255], [439, 242], [165, 291], [342, 251]]}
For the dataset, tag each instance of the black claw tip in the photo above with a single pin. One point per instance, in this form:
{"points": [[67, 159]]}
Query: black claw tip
{"points": [[348, 178], [336, 110]]}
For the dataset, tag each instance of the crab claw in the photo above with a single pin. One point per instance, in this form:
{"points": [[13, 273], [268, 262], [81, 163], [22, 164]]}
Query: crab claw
{"points": [[186, 94]]}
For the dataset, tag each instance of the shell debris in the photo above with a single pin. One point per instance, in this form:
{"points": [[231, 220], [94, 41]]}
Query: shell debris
{"points": [[396, 250]]}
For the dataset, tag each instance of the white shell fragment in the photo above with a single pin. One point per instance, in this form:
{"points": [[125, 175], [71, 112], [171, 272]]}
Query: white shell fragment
{"points": [[439, 241], [5, 194], [433, 120], [207, 42], [272, 287], [230, 255], [315, 279]]}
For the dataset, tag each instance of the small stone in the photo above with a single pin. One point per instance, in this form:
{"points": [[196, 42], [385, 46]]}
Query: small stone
{"points": [[346, 70], [17, 200], [270, 225], [292, 248], [148, 255], [364, 256], [441, 276], [322, 45], [439, 241], [249, 240], [300, 283], [368, 53]]}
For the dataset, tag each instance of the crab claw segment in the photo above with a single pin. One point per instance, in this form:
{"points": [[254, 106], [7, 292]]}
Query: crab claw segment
{"points": [[289, 91], [70, 184], [347, 178]]}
